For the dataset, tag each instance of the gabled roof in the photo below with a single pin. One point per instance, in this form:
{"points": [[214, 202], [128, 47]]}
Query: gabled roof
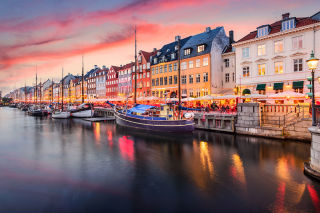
{"points": [[228, 49], [127, 66], [115, 68], [205, 38], [168, 49], [147, 55], [276, 27]]}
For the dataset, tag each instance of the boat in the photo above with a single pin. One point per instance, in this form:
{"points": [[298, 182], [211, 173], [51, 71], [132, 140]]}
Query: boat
{"points": [[60, 114], [161, 119], [35, 112], [84, 110], [152, 118]]}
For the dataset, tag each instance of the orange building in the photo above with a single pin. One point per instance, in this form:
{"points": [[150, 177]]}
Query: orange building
{"points": [[164, 70]]}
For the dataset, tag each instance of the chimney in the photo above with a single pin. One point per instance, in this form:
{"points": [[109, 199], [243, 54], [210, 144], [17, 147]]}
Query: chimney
{"points": [[96, 66], [208, 29], [177, 38], [285, 16], [154, 50], [231, 37]]}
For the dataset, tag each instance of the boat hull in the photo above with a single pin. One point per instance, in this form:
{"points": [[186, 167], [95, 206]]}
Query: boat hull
{"points": [[154, 125], [61, 115], [83, 114]]}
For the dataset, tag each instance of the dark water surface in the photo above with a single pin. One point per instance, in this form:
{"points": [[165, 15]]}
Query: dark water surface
{"points": [[75, 166]]}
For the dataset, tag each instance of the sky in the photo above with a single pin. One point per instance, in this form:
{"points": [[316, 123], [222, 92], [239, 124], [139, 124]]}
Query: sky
{"points": [[46, 35]]}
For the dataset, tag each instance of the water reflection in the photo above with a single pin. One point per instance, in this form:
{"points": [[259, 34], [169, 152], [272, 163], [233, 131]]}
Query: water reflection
{"points": [[75, 165]]}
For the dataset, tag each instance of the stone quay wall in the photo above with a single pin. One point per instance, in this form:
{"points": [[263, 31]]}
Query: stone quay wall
{"points": [[315, 148]]}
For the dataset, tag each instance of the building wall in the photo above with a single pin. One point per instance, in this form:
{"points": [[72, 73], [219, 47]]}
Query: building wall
{"points": [[310, 41], [228, 69]]}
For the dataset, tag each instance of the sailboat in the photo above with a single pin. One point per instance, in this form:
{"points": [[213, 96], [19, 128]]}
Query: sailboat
{"points": [[85, 110], [60, 114], [147, 117], [36, 110]]}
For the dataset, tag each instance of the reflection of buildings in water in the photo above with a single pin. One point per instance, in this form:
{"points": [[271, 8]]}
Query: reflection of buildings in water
{"points": [[126, 147], [110, 138], [206, 159], [237, 170]]}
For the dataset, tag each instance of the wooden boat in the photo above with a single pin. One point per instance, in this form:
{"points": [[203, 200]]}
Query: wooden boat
{"points": [[60, 115], [151, 118]]}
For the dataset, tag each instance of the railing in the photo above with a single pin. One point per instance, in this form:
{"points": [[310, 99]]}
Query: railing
{"points": [[284, 115]]}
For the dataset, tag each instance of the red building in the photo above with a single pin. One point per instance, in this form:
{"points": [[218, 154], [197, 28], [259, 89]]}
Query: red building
{"points": [[112, 82], [143, 74]]}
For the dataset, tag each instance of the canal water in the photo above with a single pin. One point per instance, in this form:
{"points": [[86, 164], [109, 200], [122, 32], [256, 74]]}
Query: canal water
{"points": [[76, 166]]}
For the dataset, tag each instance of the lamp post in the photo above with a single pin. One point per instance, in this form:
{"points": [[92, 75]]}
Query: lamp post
{"points": [[312, 64]]}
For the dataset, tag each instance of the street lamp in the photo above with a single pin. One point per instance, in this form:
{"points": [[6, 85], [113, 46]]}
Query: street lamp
{"points": [[313, 64]]}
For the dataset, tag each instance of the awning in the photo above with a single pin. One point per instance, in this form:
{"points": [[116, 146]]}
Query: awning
{"points": [[246, 92], [297, 85], [261, 87], [278, 86]]}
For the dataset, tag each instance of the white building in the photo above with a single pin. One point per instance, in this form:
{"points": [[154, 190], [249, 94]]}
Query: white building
{"points": [[272, 59]]}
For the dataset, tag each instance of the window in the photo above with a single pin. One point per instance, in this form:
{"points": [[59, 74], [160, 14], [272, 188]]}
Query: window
{"points": [[187, 51], [205, 62], [245, 52], [155, 60], [198, 93], [190, 79], [226, 62], [144, 75], [263, 31], [297, 65], [191, 93], [184, 65], [161, 81], [261, 49], [175, 79], [157, 82], [165, 80], [298, 90], [170, 80], [278, 46], [205, 77], [190, 64], [198, 78], [156, 70], [184, 79], [160, 69], [288, 24], [175, 66], [262, 92], [246, 72], [297, 42], [278, 67], [170, 67], [165, 68], [198, 63], [148, 74], [227, 78], [172, 56], [200, 48], [261, 69]]}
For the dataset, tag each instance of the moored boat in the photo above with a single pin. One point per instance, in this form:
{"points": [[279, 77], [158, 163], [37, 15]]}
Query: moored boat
{"points": [[83, 111], [60, 115]]}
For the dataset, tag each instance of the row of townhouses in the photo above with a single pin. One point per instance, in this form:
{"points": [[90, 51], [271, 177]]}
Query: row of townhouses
{"points": [[271, 59]]}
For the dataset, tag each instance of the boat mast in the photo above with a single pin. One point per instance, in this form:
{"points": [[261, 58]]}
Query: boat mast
{"points": [[40, 91], [25, 93], [36, 84], [62, 83], [82, 80], [51, 90], [135, 64], [179, 77]]}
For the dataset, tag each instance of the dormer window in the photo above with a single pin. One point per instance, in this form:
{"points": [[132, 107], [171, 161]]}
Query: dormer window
{"points": [[187, 51], [288, 24], [263, 31], [155, 60], [200, 48], [158, 53], [176, 47], [172, 56]]}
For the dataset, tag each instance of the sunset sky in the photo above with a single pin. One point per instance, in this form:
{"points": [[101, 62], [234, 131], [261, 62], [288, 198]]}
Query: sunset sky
{"points": [[56, 33]]}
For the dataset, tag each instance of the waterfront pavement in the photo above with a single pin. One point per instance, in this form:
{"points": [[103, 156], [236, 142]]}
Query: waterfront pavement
{"points": [[79, 166]]}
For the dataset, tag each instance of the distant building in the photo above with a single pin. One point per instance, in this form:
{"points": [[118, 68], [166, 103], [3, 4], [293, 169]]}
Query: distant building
{"points": [[112, 82], [125, 80], [101, 76]]}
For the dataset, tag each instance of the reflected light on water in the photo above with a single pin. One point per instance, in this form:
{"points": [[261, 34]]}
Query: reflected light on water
{"points": [[96, 132], [206, 159], [109, 133], [237, 169], [282, 170], [126, 147], [314, 197]]}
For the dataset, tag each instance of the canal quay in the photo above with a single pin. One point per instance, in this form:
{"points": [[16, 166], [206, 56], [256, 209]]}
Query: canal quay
{"points": [[78, 166]]}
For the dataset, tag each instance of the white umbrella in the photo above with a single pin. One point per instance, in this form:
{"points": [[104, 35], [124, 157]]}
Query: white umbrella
{"points": [[256, 96], [226, 97], [188, 99], [287, 94]]}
